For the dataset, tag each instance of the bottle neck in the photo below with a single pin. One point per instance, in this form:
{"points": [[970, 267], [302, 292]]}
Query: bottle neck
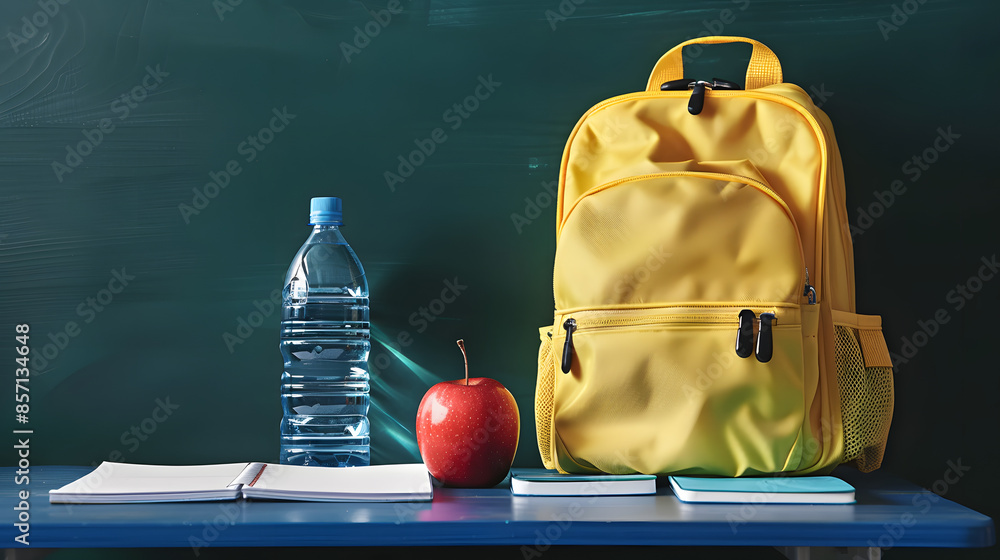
{"points": [[325, 233]]}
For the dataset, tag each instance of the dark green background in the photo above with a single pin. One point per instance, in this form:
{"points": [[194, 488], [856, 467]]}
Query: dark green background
{"points": [[162, 337]]}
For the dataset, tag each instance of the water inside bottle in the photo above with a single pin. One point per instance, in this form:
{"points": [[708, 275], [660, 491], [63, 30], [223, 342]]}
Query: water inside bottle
{"points": [[325, 342]]}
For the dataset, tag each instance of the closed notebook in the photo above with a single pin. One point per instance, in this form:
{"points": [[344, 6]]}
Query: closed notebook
{"points": [[555, 484], [774, 490], [118, 483]]}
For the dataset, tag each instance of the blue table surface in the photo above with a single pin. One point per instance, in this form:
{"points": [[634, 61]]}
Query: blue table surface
{"points": [[888, 512]]}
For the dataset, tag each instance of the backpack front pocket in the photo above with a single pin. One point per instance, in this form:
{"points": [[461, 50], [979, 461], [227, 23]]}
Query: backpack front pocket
{"points": [[679, 326], [662, 390], [681, 236]]}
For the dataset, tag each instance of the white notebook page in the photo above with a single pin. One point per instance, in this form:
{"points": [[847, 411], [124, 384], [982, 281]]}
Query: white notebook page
{"points": [[124, 479], [347, 481]]}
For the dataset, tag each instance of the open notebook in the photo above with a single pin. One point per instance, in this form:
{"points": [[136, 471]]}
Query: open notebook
{"points": [[119, 483]]}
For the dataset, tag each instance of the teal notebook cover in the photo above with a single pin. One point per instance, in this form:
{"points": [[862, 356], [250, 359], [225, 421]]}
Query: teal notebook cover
{"points": [[796, 485], [805, 489]]}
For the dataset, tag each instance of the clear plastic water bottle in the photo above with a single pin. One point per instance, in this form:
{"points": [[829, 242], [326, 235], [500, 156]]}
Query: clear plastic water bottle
{"points": [[325, 344]]}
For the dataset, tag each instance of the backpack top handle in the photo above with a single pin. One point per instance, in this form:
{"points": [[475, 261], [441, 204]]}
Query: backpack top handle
{"points": [[764, 68]]}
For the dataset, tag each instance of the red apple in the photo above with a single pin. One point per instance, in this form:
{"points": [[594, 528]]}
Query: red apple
{"points": [[467, 430]]}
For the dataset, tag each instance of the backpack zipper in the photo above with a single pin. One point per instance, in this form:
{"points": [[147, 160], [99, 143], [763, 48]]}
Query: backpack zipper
{"points": [[808, 290], [697, 100], [702, 174], [626, 318]]}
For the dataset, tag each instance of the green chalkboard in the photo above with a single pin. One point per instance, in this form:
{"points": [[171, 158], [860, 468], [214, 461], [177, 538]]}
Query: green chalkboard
{"points": [[157, 158]]}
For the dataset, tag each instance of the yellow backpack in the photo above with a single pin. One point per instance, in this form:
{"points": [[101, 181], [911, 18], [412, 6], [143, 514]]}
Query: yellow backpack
{"points": [[704, 288]]}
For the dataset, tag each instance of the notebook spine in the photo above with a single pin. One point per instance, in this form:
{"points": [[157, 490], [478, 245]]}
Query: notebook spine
{"points": [[248, 476]]}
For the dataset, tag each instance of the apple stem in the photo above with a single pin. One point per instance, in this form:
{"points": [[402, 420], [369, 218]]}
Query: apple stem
{"points": [[461, 345]]}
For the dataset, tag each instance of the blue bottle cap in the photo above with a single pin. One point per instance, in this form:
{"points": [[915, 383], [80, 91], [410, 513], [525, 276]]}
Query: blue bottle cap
{"points": [[326, 211]]}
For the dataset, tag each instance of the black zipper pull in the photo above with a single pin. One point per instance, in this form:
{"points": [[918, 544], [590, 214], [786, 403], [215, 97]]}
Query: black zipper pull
{"points": [[697, 101], [697, 87], [744, 335], [567, 357], [765, 338]]}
